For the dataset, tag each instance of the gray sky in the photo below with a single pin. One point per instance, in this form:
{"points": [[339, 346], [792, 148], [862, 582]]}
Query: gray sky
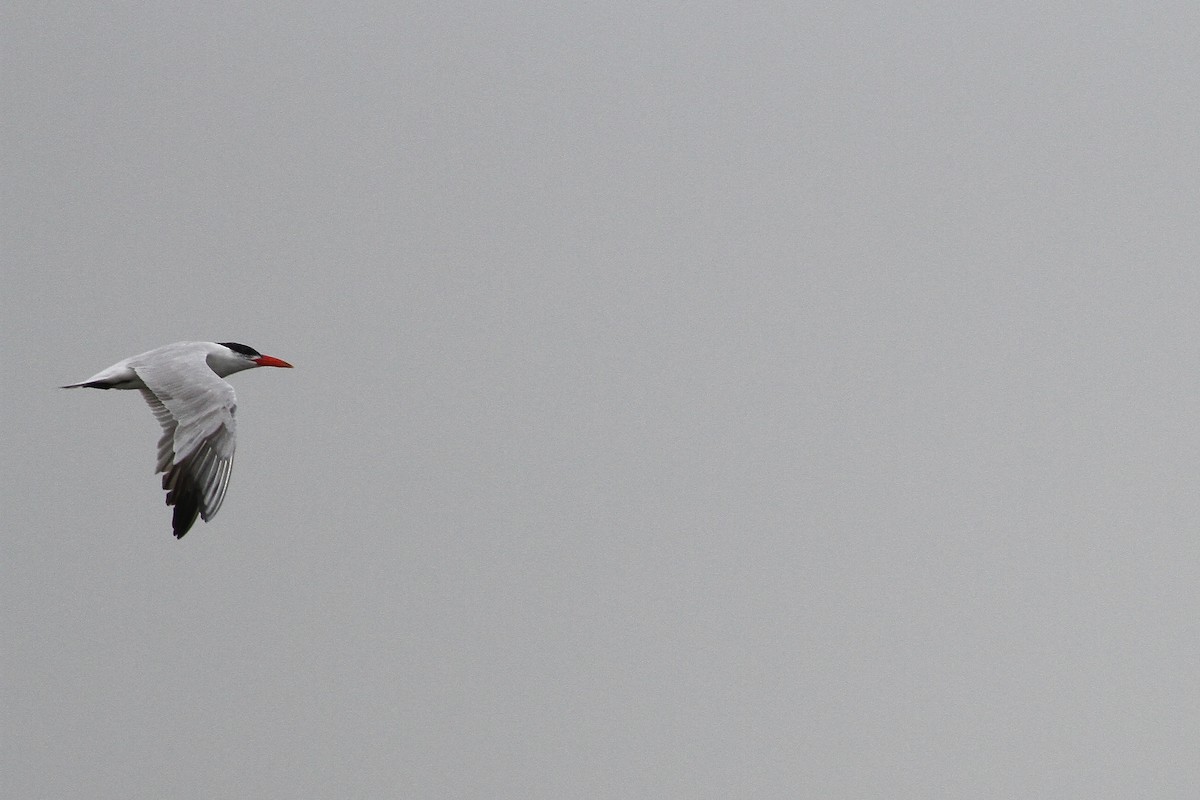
{"points": [[722, 401]]}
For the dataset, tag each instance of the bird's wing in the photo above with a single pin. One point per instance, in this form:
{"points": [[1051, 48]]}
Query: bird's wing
{"points": [[196, 411]]}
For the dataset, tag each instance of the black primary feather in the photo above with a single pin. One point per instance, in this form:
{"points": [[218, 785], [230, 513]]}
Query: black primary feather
{"points": [[186, 499]]}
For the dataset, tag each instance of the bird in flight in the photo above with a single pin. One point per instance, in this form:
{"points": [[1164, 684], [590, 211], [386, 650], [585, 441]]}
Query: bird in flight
{"points": [[183, 384]]}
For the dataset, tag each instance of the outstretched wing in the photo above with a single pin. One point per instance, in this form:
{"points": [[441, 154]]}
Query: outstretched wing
{"points": [[196, 411]]}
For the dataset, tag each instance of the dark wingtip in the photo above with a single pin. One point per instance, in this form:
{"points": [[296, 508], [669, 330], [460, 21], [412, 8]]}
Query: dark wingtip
{"points": [[184, 518], [187, 506]]}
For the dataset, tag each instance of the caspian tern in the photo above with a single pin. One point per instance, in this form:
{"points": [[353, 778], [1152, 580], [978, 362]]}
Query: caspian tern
{"points": [[182, 383]]}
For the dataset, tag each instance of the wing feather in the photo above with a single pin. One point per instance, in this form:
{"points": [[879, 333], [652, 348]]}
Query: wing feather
{"points": [[196, 410]]}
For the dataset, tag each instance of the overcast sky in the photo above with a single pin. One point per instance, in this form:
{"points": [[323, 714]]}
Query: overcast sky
{"points": [[698, 401]]}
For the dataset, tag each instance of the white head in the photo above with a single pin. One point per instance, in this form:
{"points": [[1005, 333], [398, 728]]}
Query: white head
{"points": [[226, 358]]}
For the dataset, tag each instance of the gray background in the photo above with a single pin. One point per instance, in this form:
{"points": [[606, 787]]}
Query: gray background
{"points": [[691, 400]]}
